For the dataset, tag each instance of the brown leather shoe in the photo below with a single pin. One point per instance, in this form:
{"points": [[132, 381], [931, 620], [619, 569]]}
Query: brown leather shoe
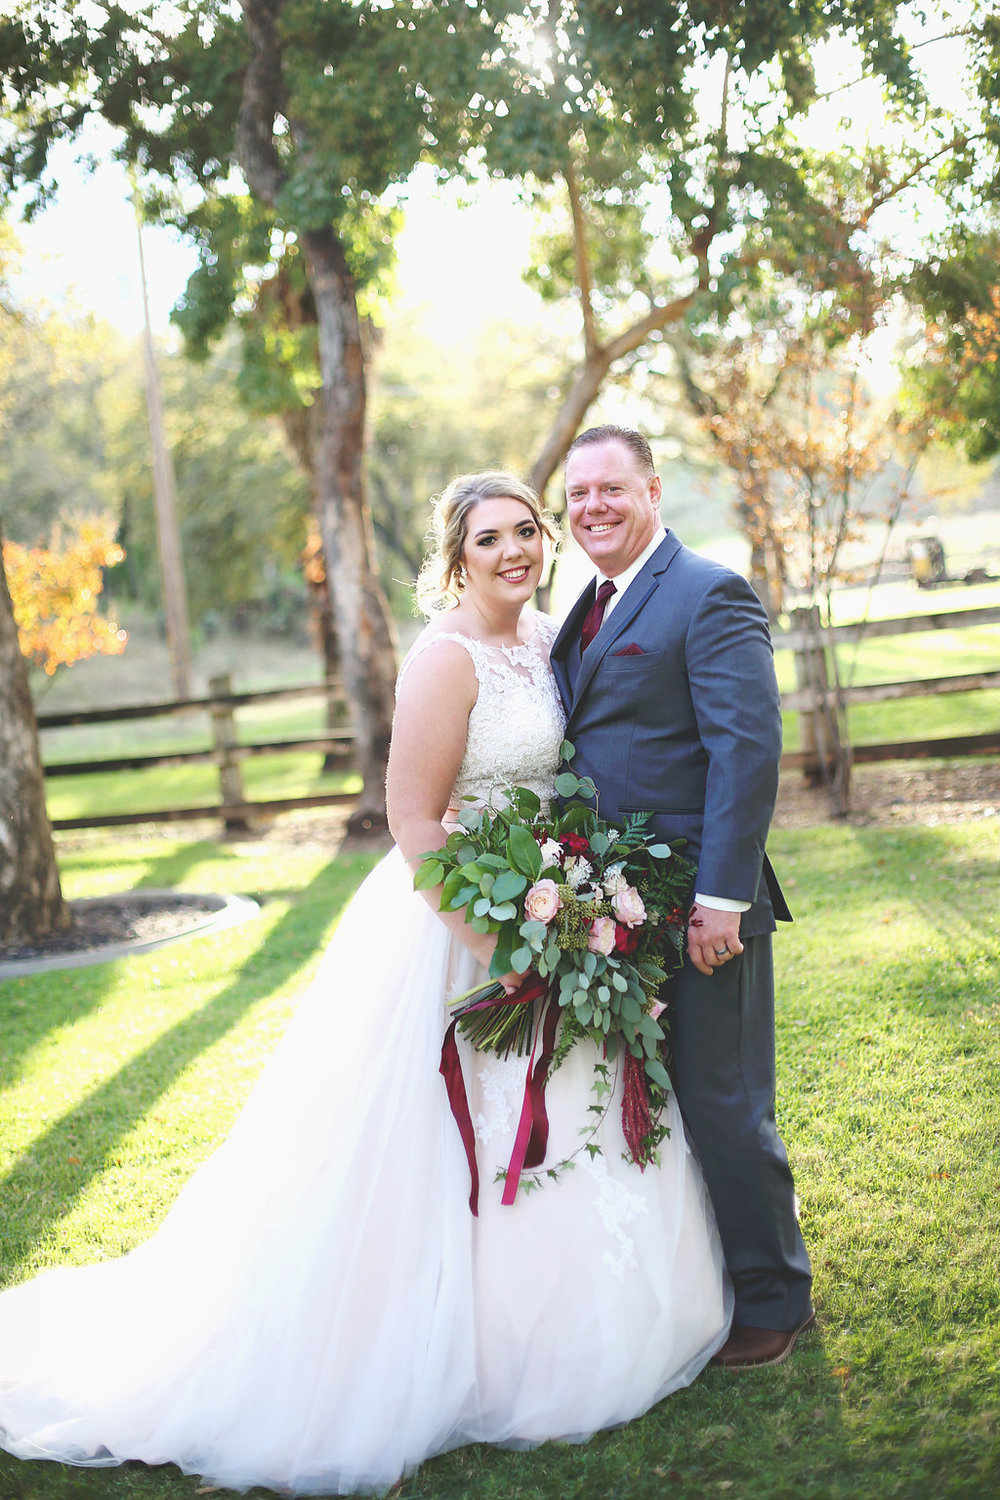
{"points": [[748, 1348]]}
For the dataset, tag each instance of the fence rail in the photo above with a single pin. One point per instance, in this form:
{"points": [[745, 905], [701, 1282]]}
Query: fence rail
{"points": [[814, 699]]}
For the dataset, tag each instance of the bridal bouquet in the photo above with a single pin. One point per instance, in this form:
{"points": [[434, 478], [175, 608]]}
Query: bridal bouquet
{"points": [[595, 917]]}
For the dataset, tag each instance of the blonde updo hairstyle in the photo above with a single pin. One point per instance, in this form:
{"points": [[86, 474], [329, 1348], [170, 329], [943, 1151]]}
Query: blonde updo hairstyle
{"points": [[442, 577]]}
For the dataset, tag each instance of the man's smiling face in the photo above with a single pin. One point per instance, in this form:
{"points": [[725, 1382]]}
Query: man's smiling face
{"points": [[614, 504]]}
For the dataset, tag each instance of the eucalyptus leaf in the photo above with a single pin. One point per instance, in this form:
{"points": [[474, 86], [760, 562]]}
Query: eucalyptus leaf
{"points": [[508, 885], [534, 932], [657, 1072], [462, 898], [630, 1007]]}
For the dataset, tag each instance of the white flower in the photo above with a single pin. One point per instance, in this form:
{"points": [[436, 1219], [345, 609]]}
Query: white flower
{"points": [[629, 908], [614, 880], [551, 852], [577, 870]]}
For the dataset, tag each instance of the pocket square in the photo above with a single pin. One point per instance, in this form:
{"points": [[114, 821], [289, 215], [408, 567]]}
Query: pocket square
{"points": [[630, 650]]}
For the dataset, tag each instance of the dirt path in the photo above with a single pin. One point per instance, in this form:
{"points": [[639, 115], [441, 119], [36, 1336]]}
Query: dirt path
{"points": [[898, 794]]}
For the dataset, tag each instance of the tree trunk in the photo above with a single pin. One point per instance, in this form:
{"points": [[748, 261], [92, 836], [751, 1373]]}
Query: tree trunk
{"points": [[364, 631], [31, 902], [298, 432]]}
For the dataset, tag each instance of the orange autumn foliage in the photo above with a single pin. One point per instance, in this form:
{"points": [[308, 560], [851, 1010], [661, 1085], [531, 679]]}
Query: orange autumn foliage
{"points": [[55, 590]]}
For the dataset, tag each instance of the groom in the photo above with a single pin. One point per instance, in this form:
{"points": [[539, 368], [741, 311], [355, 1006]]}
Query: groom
{"points": [[668, 679]]}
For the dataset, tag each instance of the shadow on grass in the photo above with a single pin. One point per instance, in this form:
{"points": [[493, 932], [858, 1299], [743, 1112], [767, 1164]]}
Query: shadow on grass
{"points": [[36, 1188], [34, 1005], [160, 869]]}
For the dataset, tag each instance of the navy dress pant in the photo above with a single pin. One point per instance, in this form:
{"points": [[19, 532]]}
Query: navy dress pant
{"points": [[722, 1042]]}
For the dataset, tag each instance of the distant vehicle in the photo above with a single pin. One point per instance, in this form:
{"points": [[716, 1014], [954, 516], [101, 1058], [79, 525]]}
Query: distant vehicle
{"points": [[925, 555]]}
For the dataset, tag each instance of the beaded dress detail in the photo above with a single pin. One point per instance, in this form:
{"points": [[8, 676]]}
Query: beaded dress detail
{"points": [[516, 724], [319, 1312]]}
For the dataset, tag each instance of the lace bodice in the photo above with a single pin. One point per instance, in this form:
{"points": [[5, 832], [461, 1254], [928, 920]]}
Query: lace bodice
{"points": [[516, 724]]}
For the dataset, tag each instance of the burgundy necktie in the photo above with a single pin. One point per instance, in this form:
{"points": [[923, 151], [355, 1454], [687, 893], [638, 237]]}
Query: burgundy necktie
{"points": [[595, 614]]}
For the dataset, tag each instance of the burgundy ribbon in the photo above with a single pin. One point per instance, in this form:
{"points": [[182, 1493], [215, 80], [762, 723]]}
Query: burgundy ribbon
{"points": [[534, 1122]]}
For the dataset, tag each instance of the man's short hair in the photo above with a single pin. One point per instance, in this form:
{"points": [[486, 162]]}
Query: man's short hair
{"points": [[634, 441]]}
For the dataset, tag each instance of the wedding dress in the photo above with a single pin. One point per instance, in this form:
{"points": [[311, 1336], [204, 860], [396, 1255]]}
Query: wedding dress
{"points": [[320, 1311]]}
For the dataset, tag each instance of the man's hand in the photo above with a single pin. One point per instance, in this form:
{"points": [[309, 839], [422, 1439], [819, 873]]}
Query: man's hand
{"points": [[713, 937]]}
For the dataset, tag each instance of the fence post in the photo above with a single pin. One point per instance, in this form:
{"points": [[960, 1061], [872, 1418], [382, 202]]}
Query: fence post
{"points": [[224, 735], [826, 762]]}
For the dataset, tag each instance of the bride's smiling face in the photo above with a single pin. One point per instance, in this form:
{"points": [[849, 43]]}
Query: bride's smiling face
{"points": [[503, 551]]}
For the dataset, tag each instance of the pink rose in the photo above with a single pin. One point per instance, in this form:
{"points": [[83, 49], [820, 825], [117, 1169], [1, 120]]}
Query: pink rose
{"points": [[656, 1009], [628, 906], [602, 935], [542, 901]]}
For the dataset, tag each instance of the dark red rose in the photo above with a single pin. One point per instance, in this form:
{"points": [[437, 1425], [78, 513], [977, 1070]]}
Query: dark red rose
{"points": [[574, 844], [626, 938]]}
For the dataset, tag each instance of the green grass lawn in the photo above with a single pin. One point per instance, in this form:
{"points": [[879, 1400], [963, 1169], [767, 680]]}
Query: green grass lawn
{"points": [[116, 1080]]}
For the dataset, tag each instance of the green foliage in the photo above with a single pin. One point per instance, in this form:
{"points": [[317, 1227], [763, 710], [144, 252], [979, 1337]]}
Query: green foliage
{"points": [[957, 387], [75, 439], [55, 422]]}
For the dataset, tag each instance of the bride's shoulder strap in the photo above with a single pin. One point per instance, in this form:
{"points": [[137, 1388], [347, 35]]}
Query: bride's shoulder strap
{"points": [[546, 629], [430, 638]]}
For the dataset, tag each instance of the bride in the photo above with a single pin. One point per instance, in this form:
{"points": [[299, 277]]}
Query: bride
{"points": [[320, 1311]]}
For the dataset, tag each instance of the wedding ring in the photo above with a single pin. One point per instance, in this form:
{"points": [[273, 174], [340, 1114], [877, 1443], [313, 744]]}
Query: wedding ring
{"points": [[721, 952]]}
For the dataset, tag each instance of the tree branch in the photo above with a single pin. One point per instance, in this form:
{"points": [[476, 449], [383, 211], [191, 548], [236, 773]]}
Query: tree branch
{"points": [[946, 36], [894, 189], [263, 99], [583, 278]]}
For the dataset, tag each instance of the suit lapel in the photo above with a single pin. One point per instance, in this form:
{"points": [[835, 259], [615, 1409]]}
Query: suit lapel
{"points": [[615, 624], [566, 644]]}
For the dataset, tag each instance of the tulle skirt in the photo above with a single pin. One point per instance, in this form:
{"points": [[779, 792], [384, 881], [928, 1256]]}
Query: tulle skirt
{"points": [[320, 1311]]}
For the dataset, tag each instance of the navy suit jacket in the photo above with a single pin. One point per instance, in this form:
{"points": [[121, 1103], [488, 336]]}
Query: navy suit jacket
{"points": [[673, 710]]}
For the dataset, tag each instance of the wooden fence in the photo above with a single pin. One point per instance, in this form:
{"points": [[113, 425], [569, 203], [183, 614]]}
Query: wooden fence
{"points": [[226, 752], [815, 698]]}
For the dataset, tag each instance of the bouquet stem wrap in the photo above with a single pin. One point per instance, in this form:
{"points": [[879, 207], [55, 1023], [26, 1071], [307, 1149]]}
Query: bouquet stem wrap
{"points": [[531, 1140]]}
